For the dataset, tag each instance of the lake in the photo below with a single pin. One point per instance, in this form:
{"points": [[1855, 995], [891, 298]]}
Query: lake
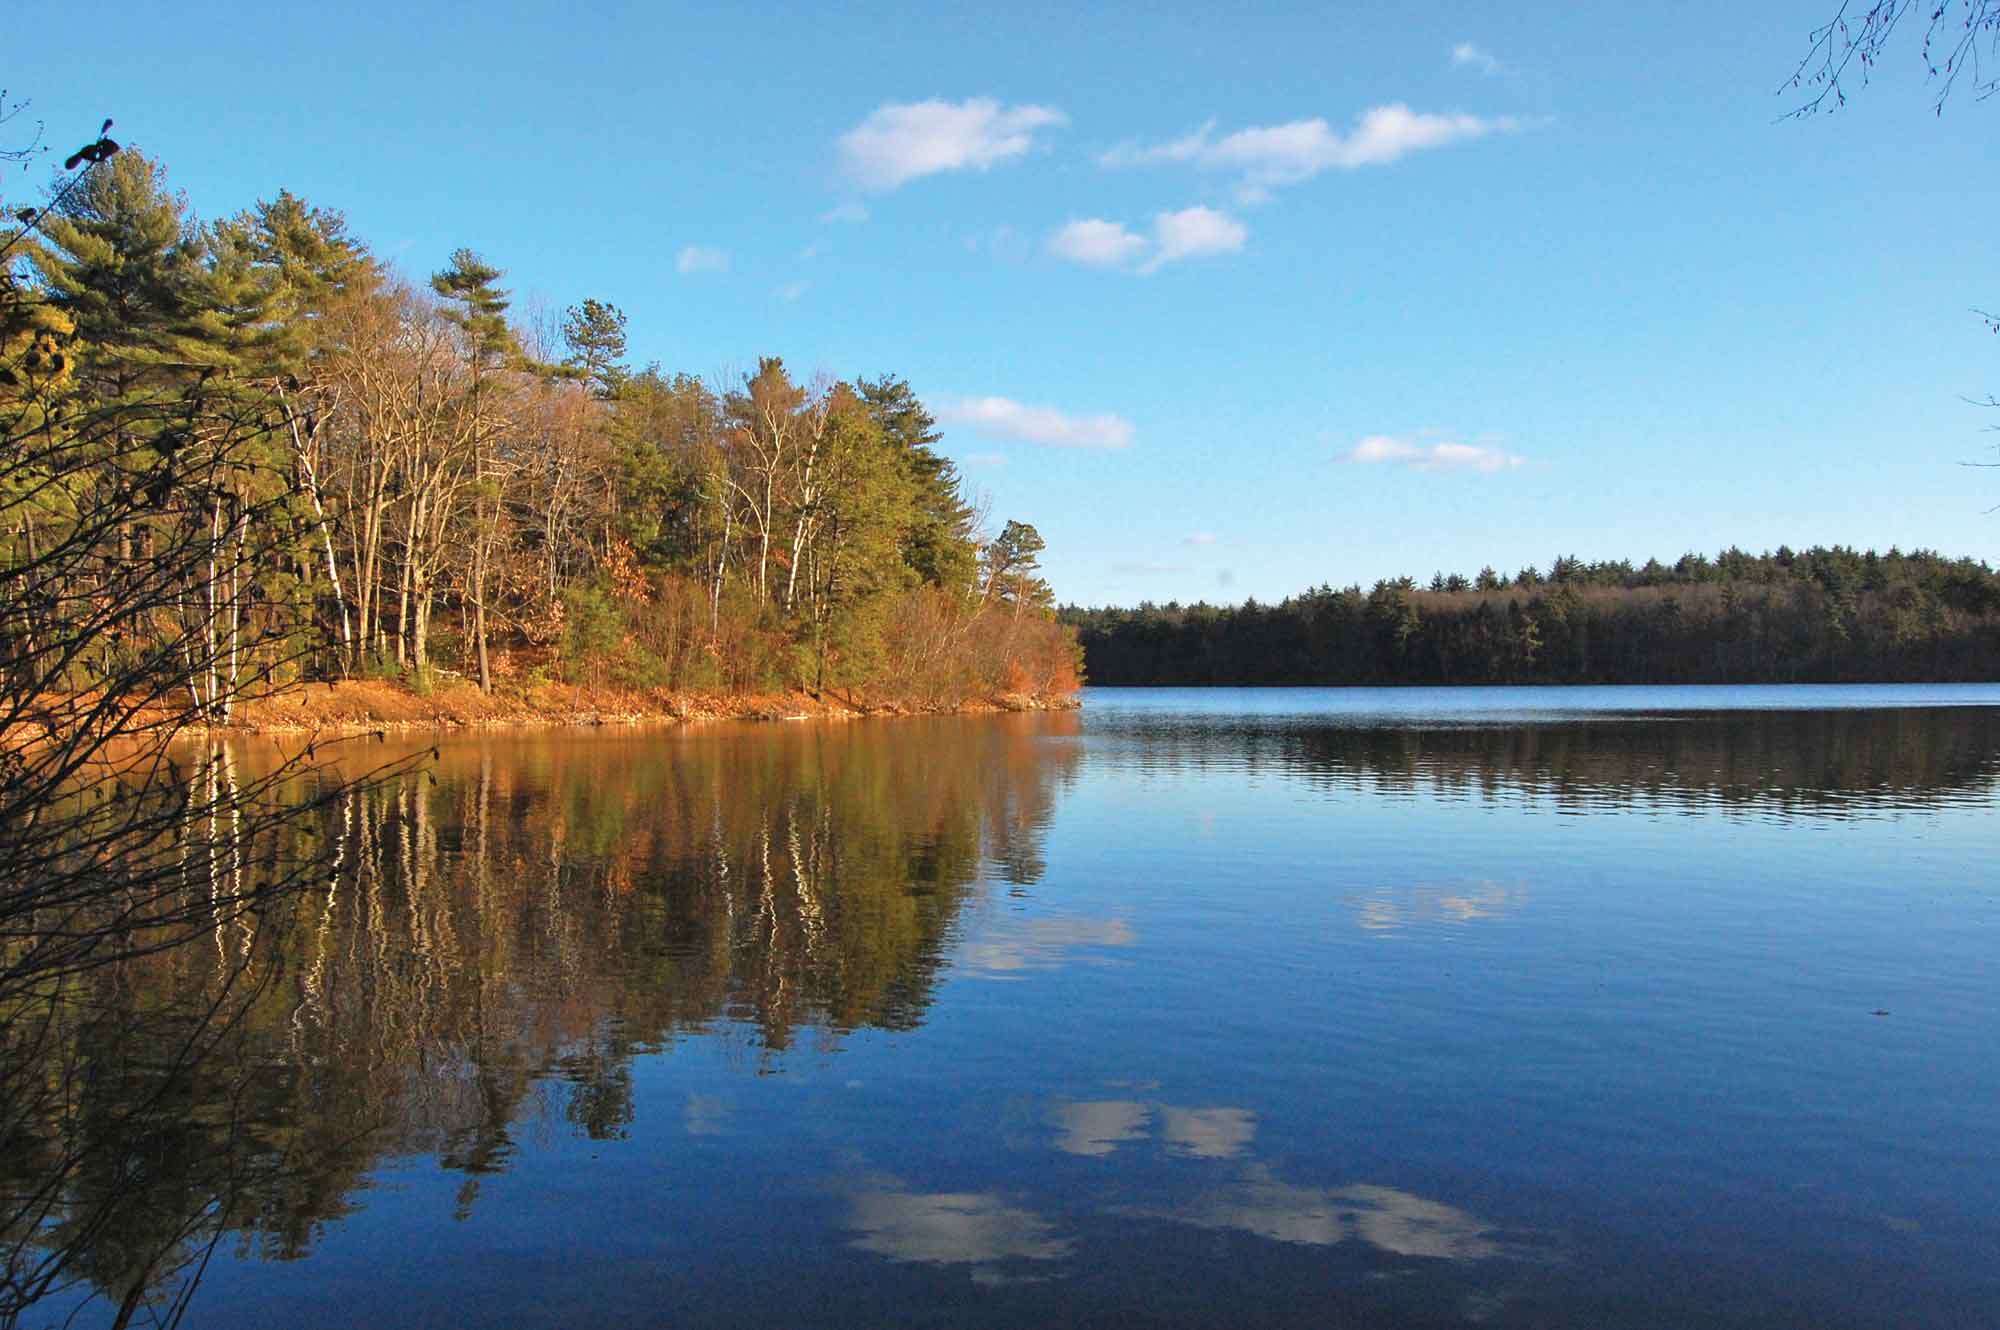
{"points": [[1592, 1007]]}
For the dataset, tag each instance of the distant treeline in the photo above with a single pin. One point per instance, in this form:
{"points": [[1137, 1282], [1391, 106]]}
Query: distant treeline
{"points": [[1818, 616]]}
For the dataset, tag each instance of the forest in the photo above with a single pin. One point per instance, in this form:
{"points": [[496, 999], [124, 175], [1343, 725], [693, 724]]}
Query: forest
{"points": [[246, 452], [1822, 615]]}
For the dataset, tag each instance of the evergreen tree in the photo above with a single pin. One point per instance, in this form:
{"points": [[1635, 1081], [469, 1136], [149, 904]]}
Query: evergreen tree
{"points": [[1013, 567], [399, 455], [302, 261], [125, 264], [477, 307], [859, 563], [938, 544], [595, 335]]}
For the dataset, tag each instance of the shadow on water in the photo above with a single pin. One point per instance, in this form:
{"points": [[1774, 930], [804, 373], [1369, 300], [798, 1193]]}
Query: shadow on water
{"points": [[498, 937]]}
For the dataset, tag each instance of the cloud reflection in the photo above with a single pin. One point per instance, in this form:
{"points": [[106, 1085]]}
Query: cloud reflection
{"points": [[1038, 944], [1098, 1127], [705, 1115], [978, 1229], [1394, 909], [1208, 1133], [1385, 1218]]}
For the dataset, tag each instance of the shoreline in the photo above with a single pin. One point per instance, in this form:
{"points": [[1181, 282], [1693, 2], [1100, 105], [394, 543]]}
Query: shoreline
{"points": [[364, 706]]}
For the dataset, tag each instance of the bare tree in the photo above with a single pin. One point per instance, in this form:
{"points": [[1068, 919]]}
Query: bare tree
{"points": [[1959, 35], [132, 618]]}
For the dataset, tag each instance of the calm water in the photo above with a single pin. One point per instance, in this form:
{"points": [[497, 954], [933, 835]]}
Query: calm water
{"points": [[1579, 1007]]}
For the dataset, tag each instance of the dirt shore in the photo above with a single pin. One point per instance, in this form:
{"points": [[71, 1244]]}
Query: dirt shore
{"points": [[363, 705]]}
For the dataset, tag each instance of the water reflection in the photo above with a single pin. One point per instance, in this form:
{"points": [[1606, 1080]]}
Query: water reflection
{"points": [[1207, 1133], [1825, 763], [1391, 910], [504, 946], [977, 1229], [1006, 950], [1098, 1127], [706, 1115], [1391, 1221], [1095, 1129], [498, 937], [1255, 1201]]}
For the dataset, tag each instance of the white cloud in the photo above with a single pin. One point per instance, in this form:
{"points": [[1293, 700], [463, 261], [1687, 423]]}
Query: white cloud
{"points": [[900, 142], [1095, 241], [1192, 232], [701, 258], [1176, 235], [1269, 156], [811, 252], [849, 212], [1199, 538], [1004, 418], [1467, 56], [791, 291], [1432, 456]]}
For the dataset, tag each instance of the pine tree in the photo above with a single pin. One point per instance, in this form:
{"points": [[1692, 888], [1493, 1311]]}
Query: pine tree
{"points": [[1013, 568], [477, 307], [126, 265], [302, 261], [594, 331], [857, 560], [289, 265], [938, 544]]}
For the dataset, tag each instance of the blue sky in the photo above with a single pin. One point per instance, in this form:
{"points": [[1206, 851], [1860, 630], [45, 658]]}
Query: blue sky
{"points": [[1226, 303]]}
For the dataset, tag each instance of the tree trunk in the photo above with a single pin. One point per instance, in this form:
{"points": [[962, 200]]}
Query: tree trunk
{"points": [[479, 537], [721, 565]]}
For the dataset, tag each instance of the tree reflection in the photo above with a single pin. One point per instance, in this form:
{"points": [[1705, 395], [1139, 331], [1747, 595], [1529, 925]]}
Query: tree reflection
{"points": [[124, 1066], [501, 934], [1831, 763]]}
